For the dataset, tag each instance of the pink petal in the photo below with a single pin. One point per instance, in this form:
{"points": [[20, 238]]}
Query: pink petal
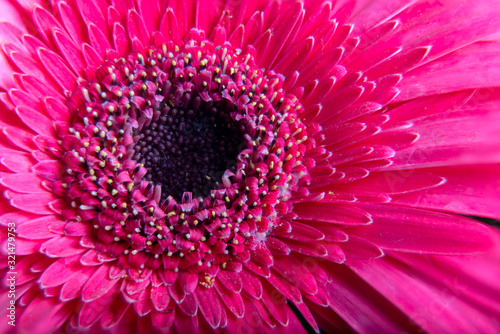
{"points": [[361, 307], [252, 285], [176, 292], [49, 169], [22, 183], [89, 258], [277, 307], [20, 138], [232, 300], [57, 69], [35, 121], [303, 232], [160, 297], [151, 13], [332, 213], [361, 249], [33, 203], [73, 288], [92, 14], [423, 231], [162, 320], [17, 164], [98, 40], [283, 286], [37, 228], [307, 248], [297, 273], [98, 285], [335, 253], [26, 246], [469, 190], [401, 182], [230, 280], [69, 51], [114, 313], [189, 305], [94, 310], [477, 63], [62, 247], [120, 39], [210, 306], [189, 282], [136, 27], [168, 25], [60, 272], [454, 313], [16, 217], [295, 58], [144, 305], [134, 287], [43, 314]]}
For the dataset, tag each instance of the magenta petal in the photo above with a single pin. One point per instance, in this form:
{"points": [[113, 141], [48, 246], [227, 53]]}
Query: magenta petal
{"points": [[209, 305], [332, 213], [20, 138], [17, 164], [144, 305], [115, 313], [73, 288], [176, 292], [361, 249], [57, 68], [89, 258], [469, 190], [98, 40], [162, 320], [424, 231], [37, 228], [335, 253], [35, 121], [296, 272], [230, 280], [160, 297], [286, 288], [189, 305], [94, 310], [276, 306], [43, 314], [454, 313], [352, 300], [48, 169], [253, 286], [232, 300], [22, 183], [60, 272], [189, 282], [32, 203], [92, 14], [134, 287], [98, 284], [61, 247], [136, 27]]}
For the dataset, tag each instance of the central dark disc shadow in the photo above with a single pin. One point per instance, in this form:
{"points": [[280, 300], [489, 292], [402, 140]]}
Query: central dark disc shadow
{"points": [[188, 150]]}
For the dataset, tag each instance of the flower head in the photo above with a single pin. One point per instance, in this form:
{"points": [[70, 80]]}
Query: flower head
{"points": [[238, 166]]}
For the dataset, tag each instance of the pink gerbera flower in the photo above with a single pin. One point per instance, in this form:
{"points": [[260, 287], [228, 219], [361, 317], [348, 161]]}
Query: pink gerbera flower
{"points": [[192, 166]]}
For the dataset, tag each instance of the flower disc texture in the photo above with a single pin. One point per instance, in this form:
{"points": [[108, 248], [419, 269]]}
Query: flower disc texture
{"points": [[250, 166]]}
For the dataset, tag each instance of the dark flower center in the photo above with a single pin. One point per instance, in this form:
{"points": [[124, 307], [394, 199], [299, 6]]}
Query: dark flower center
{"points": [[183, 156], [188, 149]]}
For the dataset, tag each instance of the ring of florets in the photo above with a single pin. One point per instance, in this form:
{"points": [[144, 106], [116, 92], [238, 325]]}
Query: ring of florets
{"points": [[106, 179]]}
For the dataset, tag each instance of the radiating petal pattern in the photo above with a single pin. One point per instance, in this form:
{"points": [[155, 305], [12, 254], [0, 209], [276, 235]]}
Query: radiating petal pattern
{"points": [[249, 166]]}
